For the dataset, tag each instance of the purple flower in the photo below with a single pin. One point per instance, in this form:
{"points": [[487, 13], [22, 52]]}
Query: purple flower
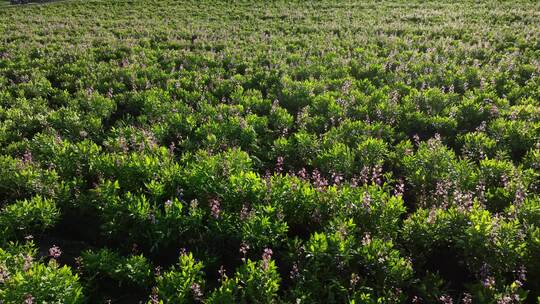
{"points": [[28, 261], [509, 299], [416, 139], [215, 208], [464, 200], [279, 164], [27, 157], [366, 239], [400, 188], [467, 299], [4, 274], [267, 256], [337, 178], [55, 252], [519, 196], [364, 175], [522, 273], [354, 182], [488, 282], [441, 191], [494, 110], [366, 200], [196, 290], [504, 180], [28, 299], [481, 192], [482, 83], [446, 299], [294, 271], [354, 279], [222, 273], [243, 250], [154, 298], [318, 180], [376, 175], [481, 127], [245, 212], [302, 174]]}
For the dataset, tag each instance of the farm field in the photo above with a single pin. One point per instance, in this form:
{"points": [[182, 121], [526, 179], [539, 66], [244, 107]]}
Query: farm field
{"points": [[270, 152]]}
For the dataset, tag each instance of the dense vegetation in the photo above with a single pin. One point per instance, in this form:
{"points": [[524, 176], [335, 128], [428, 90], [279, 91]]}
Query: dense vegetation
{"points": [[270, 152]]}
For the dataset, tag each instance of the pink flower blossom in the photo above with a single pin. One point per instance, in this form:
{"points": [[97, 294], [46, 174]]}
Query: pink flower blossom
{"points": [[267, 256], [55, 252], [29, 299], [215, 208]]}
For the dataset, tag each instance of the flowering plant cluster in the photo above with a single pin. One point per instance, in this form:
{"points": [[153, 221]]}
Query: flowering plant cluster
{"points": [[270, 152]]}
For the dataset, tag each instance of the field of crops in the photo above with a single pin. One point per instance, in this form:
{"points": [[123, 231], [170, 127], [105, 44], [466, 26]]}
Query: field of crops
{"points": [[270, 152]]}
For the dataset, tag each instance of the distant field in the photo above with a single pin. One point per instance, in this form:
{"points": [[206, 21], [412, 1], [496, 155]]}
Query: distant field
{"points": [[270, 152]]}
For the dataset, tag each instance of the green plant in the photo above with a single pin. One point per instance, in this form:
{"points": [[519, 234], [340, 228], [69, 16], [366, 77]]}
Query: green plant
{"points": [[183, 283], [27, 279], [253, 282], [105, 264], [27, 217]]}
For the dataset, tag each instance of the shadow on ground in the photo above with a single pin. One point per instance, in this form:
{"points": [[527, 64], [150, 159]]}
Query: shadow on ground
{"points": [[19, 2]]}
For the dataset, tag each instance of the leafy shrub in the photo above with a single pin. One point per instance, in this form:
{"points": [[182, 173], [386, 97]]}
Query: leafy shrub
{"points": [[434, 169], [205, 173], [299, 201], [397, 165], [183, 283], [337, 159], [27, 279], [373, 209], [477, 146], [105, 264], [364, 264], [253, 282], [503, 182], [478, 242], [27, 217], [19, 180], [372, 152], [263, 227], [516, 137]]}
